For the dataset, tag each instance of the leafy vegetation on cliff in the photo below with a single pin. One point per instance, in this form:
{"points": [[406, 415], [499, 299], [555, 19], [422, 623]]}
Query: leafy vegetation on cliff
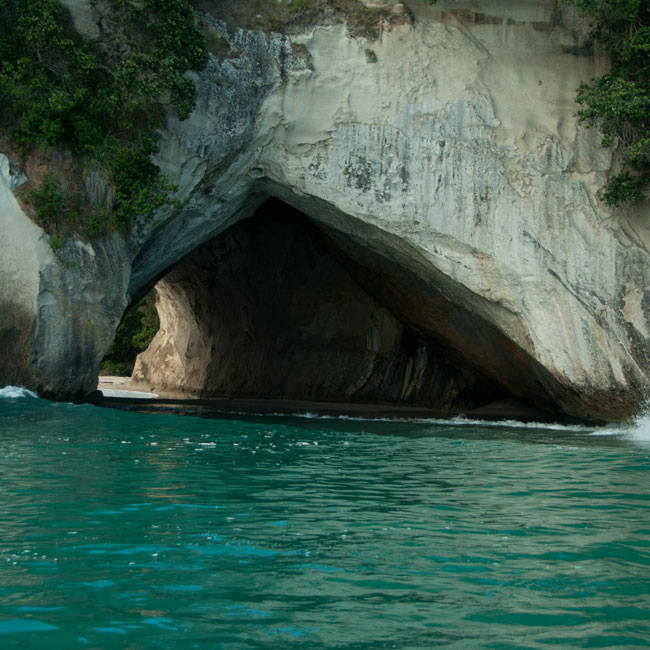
{"points": [[97, 103], [133, 336], [619, 101]]}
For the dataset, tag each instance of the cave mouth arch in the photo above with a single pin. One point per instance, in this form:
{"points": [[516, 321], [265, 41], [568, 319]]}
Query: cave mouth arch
{"points": [[281, 306]]}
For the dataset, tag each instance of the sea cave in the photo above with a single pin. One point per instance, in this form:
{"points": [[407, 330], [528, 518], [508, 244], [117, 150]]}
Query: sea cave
{"points": [[281, 306]]}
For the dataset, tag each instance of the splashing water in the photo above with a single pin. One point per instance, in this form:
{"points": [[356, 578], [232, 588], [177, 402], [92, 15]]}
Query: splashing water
{"points": [[637, 431], [15, 392], [640, 431]]}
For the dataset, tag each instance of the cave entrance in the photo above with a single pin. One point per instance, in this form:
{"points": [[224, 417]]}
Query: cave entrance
{"points": [[280, 307], [135, 332]]}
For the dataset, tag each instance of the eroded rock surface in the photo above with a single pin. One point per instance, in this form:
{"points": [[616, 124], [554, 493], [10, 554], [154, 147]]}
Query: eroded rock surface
{"points": [[444, 156]]}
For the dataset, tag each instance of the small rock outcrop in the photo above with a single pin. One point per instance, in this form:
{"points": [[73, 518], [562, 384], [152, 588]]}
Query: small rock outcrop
{"points": [[442, 164]]}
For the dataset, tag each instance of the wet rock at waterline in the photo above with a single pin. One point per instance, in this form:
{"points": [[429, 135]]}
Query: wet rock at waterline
{"points": [[445, 175]]}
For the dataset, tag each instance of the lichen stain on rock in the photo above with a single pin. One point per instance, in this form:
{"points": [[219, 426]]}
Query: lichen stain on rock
{"points": [[359, 173]]}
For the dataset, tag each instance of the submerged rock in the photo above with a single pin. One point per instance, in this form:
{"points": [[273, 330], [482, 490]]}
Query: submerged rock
{"points": [[450, 179]]}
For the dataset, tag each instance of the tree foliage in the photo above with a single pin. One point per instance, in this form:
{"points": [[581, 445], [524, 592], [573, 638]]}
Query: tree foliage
{"points": [[100, 99], [619, 101], [133, 336]]}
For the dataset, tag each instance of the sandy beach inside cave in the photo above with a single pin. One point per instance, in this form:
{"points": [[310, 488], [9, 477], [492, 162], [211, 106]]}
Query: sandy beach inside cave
{"points": [[112, 386]]}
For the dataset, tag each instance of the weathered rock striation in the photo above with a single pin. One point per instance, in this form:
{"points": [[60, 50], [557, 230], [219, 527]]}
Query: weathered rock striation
{"points": [[452, 246]]}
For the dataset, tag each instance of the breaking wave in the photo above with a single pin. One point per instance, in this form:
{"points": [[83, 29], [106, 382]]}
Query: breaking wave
{"points": [[640, 431], [15, 392]]}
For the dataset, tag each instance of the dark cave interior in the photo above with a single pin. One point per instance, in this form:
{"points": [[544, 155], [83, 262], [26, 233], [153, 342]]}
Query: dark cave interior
{"points": [[280, 306]]}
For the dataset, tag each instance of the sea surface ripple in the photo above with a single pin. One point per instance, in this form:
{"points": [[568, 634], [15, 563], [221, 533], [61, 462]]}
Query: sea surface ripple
{"points": [[126, 530]]}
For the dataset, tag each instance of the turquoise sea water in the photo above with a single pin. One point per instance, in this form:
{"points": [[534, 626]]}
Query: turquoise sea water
{"points": [[124, 530]]}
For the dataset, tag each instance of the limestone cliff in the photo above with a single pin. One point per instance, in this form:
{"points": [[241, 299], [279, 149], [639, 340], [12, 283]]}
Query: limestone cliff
{"points": [[443, 166]]}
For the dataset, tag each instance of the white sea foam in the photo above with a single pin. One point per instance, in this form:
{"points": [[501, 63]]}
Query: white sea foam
{"points": [[458, 421], [453, 421], [513, 424], [14, 392], [640, 432]]}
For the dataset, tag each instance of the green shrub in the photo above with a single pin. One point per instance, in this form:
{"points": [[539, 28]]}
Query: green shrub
{"points": [[619, 101], [134, 334], [55, 242], [118, 368], [101, 100], [47, 199]]}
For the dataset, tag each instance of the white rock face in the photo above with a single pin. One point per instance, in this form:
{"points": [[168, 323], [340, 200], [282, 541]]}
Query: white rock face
{"points": [[23, 246], [449, 152], [57, 314]]}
